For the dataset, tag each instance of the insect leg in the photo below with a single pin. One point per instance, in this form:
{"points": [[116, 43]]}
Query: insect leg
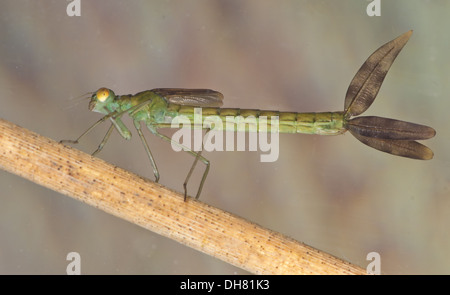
{"points": [[197, 156], [105, 139], [88, 130], [147, 149]]}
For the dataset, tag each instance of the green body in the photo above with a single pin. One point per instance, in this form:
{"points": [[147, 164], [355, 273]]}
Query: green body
{"points": [[159, 114]]}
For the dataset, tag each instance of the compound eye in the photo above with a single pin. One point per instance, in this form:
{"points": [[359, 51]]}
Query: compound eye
{"points": [[102, 94]]}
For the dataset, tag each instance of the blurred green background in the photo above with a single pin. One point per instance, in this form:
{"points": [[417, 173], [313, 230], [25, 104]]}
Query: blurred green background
{"points": [[332, 193]]}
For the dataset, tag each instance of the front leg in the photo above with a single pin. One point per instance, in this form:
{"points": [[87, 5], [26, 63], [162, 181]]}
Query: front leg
{"points": [[104, 118]]}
